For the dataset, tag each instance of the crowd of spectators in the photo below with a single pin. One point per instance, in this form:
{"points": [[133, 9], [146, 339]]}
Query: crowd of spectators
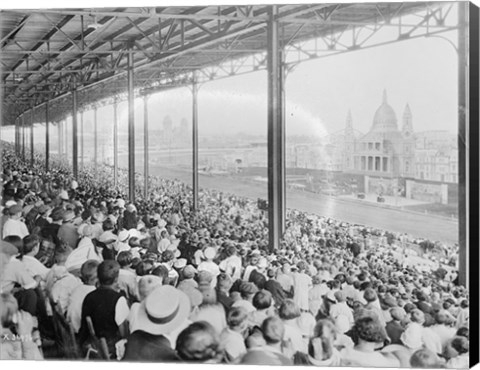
{"points": [[157, 281]]}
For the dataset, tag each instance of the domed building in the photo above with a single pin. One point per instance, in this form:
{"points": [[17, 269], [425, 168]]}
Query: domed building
{"points": [[385, 151]]}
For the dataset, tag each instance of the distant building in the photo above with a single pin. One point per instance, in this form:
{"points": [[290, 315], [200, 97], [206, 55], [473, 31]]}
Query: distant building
{"points": [[384, 151], [439, 164], [436, 156]]}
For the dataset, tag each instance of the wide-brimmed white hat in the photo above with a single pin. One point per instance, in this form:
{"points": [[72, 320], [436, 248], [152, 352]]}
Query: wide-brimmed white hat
{"points": [[209, 253], [107, 237], [164, 310], [123, 235]]}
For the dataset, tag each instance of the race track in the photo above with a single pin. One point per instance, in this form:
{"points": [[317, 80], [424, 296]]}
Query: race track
{"points": [[416, 224]]}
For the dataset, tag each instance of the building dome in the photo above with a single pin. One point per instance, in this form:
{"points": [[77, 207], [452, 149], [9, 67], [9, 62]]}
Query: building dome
{"points": [[385, 118]]}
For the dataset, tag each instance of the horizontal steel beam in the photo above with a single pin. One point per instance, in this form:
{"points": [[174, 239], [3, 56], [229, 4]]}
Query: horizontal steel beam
{"points": [[355, 23], [151, 15]]}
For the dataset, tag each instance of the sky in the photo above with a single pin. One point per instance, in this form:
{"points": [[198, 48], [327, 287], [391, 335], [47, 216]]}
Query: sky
{"points": [[319, 93]]}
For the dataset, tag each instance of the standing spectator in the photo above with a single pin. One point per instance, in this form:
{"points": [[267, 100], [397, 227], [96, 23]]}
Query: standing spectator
{"points": [[232, 339], [31, 247], [88, 273], [285, 279], [341, 309], [209, 265], [107, 308], [59, 282], [68, 231], [127, 278], [395, 327], [232, 265], [274, 287], [14, 225], [302, 285], [293, 338], [155, 319]]}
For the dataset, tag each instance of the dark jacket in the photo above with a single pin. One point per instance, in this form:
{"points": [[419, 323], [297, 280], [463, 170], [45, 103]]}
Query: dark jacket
{"points": [[143, 346], [394, 331], [100, 306]]}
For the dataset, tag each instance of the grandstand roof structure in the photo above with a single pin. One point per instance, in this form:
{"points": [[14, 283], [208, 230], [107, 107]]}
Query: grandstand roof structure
{"points": [[55, 63], [47, 53]]}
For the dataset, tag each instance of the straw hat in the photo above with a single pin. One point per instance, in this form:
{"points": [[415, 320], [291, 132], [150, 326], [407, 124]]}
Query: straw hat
{"points": [[163, 311]]}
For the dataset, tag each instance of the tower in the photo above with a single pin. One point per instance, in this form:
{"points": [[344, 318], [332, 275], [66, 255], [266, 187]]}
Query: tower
{"points": [[349, 143], [407, 128], [408, 143]]}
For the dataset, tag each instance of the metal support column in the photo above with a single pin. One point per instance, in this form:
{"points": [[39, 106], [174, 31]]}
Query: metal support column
{"points": [[463, 114], [23, 137], [95, 140], [32, 118], [65, 138], [74, 135], [131, 130], [81, 140], [195, 144], [16, 136], [47, 137], [60, 141], [276, 133], [115, 142], [145, 145]]}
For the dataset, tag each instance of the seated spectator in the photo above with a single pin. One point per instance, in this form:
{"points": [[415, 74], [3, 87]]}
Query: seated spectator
{"points": [[444, 331], [199, 343], [224, 284], [146, 285], [416, 335], [88, 275], [187, 278], [247, 292], [461, 360], [17, 337], [211, 311], [321, 347], [168, 259], [156, 318], [263, 303], [426, 359], [85, 250], [463, 315], [15, 279], [273, 332], [395, 327], [370, 336]]}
